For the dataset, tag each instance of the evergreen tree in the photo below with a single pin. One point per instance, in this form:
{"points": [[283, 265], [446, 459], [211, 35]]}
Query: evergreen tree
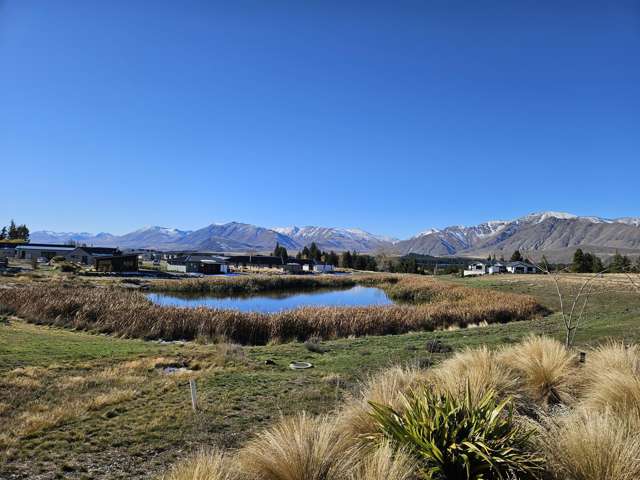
{"points": [[346, 261], [13, 231], [3, 233], [314, 252], [281, 252], [23, 233], [596, 264], [516, 257], [305, 253], [619, 263], [578, 260]]}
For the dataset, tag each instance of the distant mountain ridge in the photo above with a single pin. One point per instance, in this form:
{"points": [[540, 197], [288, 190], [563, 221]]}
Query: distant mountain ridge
{"points": [[227, 237], [557, 234]]}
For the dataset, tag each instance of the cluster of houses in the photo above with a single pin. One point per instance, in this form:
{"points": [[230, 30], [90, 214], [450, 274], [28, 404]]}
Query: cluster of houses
{"points": [[213, 263], [107, 259], [103, 259], [494, 267]]}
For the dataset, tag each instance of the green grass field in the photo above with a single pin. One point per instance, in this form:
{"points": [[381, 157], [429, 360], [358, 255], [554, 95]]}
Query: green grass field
{"points": [[116, 416]]}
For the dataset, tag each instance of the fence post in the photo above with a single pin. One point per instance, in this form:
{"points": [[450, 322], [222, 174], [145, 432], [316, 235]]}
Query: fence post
{"points": [[583, 357], [194, 398]]}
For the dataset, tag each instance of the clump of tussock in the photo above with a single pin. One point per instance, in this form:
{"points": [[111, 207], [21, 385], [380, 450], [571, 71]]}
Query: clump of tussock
{"points": [[314, 345], [546, 370], [593, 445], [477, 369], [204, 465], [611, 379], [298, 448], [128, 313], [384, 463], [386, 388]]}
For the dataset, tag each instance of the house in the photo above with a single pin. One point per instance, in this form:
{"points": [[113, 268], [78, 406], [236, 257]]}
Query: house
{"points": [[116, 263], [256, 261], [521, 267], [322, 268], [292, 267], [205, 264], [475, 269], [89, 255], [30, 251], [7, 249], [493, 267]]}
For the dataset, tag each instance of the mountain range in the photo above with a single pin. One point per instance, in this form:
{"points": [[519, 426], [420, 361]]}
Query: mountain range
{"points": [[556, 234]]}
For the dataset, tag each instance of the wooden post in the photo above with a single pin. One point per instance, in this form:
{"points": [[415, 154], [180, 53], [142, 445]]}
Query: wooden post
{"points": [[583, 357], [194, 399]]}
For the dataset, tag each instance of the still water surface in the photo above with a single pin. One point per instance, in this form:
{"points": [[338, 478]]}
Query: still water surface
{"points": [[357, 296]]}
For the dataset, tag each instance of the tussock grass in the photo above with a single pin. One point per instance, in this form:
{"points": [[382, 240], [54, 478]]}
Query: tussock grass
{"points": [[129, 313], [298, 448], [593, 445], [611, 379], [546, 370], [204, 465], [385, 388], [479, 369], [384, 463]]}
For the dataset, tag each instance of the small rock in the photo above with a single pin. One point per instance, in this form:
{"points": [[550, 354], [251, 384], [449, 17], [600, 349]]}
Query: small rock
{"points": [[268, 361]]}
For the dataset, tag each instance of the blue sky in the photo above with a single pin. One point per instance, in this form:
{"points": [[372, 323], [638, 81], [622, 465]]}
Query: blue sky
{"points": [[389, 116]]}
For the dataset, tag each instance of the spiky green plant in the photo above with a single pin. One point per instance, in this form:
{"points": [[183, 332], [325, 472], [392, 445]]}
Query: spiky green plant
{"points": [[457, 437]]}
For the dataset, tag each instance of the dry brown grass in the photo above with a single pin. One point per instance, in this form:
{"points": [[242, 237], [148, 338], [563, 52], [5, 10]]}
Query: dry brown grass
{"points": [[385, 388], [611, 379], [592, 445], [298, 448], [384, 463], [130, 313], [204, 465], [546, 370], [478, 368]]}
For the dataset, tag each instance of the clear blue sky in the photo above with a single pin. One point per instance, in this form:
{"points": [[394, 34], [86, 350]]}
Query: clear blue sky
{"points": [[390, 116]]}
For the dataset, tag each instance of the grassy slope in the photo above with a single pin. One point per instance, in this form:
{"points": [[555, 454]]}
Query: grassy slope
{"points": [[137, 438]]}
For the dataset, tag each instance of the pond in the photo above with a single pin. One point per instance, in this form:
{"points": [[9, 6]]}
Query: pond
{"points": [[357, 296]]}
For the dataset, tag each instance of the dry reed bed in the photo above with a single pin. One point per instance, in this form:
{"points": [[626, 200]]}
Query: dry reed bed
{"points": [[129, 313]]}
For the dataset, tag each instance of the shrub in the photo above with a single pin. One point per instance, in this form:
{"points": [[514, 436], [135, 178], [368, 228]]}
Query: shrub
{"points": [[591, 445], [454, 438], [547, 370], [314, 345], [297, 448], [204, 465]]}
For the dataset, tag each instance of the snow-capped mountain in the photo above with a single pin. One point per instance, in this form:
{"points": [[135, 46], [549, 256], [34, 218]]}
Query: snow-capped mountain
{"points": [[556, 232], [330, 238], [228, 237]]}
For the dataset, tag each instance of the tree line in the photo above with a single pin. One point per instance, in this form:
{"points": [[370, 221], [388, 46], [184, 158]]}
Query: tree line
{"points": [[14, 233]]}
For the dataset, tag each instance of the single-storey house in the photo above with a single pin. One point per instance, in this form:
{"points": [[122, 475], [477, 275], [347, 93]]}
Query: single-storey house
{"points": [[256, 261], [205, 264], [7, 249], [319, 268], [521, 267], [292, 267], [29, 251], [493, 267], [89, 255], [116, 263]]}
